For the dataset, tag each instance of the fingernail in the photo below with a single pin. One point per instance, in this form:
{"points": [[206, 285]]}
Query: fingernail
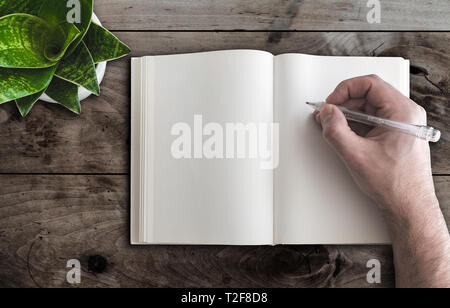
{"points": [[326, 113]]}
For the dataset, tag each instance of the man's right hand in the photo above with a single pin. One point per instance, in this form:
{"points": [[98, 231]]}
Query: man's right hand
{"points": [[395, 170], [389, 166]]}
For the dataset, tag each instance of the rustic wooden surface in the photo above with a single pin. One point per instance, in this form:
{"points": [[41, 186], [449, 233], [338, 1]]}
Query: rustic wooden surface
{"points": [[64, 184], [51, 140], [271, 14], [47, 220]]}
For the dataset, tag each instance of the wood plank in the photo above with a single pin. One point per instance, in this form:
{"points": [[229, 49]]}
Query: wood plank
{"points": [[51, 139], [271, 15], [47, 220]]}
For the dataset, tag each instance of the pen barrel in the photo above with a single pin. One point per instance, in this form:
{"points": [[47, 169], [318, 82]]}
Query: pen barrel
{"points": [[422, 132]]}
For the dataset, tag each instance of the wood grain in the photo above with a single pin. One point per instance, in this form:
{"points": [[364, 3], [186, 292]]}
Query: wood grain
{"points": [[271, 15], [52, 140], [47, 220]]}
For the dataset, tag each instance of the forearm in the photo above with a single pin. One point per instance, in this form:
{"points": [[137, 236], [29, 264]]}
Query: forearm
{"points": [[395, 170], [421, 243]]}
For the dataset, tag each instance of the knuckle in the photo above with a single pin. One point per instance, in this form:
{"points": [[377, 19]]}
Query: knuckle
{"points": [[342, 83], [417, 111], [330, 133], [421, 114], [421, 110], [374, 77]]}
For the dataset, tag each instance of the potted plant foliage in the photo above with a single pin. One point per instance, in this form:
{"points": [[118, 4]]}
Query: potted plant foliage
{"points": [[52, 50]]}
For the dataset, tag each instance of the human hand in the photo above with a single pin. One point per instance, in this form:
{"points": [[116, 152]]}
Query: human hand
{"points": [[394, 169], [390, 167]]}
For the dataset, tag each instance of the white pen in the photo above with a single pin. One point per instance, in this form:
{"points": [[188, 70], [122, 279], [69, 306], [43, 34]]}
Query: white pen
{"points": [[423, 132]]}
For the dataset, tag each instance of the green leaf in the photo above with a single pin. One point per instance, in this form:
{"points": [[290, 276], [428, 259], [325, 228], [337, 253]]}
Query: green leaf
{"points": [[18, 83], [25, 104], [103, 45], [79, 69], [65, 93], [27, 41], [70, 33], [57, 12], [31, 7]]}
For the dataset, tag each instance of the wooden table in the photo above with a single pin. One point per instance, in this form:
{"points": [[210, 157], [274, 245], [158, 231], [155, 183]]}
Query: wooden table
{"points": [[64, 180]]}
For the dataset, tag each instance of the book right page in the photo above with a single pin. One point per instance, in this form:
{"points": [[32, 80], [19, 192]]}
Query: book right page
{"points": [[315, 198]]}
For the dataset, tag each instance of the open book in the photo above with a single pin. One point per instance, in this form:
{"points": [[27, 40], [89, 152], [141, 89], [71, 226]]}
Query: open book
{"points": [[193, 183]]}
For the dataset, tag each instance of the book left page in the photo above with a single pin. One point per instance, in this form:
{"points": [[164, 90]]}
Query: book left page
{"points": [[191, 183]]}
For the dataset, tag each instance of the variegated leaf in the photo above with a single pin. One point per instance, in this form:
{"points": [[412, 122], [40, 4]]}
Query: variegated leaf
{"points": [[103, 45], [65, 94], [79, 69], [27, 41], [18, 83], [78, 13]]}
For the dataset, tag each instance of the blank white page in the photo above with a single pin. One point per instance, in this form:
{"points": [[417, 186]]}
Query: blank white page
{"points": [[208, 201], [316, 200]]}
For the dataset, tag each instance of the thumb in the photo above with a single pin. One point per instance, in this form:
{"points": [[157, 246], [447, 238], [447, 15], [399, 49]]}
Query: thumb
{"points": [[338, 133]]}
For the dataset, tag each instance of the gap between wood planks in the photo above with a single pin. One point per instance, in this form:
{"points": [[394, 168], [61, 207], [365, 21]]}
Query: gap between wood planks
{"points": [[107, 174], [220, 31], [284, 31]]}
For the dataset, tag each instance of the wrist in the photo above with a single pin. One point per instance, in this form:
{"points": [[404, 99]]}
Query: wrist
{"points": [[404, 199], [419, 212], [421, 243]]}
